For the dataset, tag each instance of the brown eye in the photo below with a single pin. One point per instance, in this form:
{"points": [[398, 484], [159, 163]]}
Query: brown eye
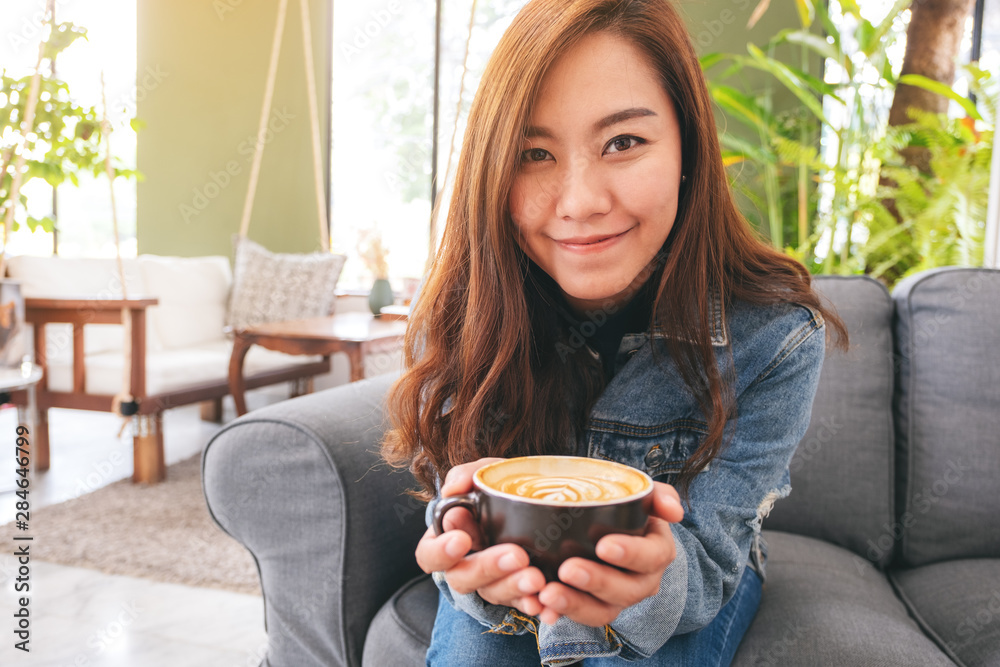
{"points": [[623, 143], [536, 154]]}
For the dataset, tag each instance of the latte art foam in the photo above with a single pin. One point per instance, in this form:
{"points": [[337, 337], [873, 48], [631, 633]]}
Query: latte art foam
{"points": [[556, 489]]}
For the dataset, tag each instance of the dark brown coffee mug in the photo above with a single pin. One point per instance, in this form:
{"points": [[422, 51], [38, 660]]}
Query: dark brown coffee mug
{"points": [[555, 507]]}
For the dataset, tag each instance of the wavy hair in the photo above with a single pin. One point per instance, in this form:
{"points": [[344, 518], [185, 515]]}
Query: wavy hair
{"points": [[482, 374]]}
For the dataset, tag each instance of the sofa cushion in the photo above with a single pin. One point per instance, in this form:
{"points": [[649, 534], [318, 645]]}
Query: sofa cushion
{"points": [[192, 292], [169, 370], [401, 631], [948, 401], [823, 605], [273, 287], [842, 471], [958, 603], [72, 277]]}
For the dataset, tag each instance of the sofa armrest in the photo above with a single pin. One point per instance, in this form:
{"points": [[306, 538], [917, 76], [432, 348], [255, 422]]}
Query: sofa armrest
{"points": [[300, 484]]}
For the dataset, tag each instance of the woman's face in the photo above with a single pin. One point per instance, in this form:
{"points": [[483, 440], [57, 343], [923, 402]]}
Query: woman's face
{"points": [[595, 195]]}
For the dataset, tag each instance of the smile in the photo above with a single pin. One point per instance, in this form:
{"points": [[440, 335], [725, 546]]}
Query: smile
{"points": [[595, 243]]}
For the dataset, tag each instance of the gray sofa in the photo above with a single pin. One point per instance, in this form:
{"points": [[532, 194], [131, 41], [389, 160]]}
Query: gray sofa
{"points": [[886, 553]]}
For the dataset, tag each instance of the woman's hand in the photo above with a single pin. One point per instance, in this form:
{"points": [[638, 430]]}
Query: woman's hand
{"points": [[597, 593], [500, 574]]}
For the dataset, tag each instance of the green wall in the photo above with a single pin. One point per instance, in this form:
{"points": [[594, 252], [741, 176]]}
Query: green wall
{"points": [[202, 66]]}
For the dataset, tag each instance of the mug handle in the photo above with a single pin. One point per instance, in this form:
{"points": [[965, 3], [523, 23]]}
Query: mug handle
{"points": [[469, 501]]}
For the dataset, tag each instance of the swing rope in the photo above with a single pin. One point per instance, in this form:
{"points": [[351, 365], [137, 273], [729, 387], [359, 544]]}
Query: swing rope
{"points": [[123, 403], [265, 112]]}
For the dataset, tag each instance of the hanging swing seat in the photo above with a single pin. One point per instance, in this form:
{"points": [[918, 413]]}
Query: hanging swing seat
{"points": [[178, 350]]}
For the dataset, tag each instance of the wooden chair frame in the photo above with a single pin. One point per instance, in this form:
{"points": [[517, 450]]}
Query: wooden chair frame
{"points": [[149, 464]]}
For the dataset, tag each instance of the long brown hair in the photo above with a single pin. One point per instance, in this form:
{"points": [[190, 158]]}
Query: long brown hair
{"points": [[482, 376]]}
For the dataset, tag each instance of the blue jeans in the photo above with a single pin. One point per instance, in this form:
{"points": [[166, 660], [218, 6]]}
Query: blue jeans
{"points": [[460, 641]]}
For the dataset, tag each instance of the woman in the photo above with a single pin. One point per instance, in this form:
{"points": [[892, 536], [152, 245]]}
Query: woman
{"points": [[597, 293]]}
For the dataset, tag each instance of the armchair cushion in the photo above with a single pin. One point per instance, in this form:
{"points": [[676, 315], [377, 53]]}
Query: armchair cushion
{"points": [[948, 334], [273, 287], [192, 293], [401, 632], [850, 435], [169, 370], [958, 603], [75, 278], [824, 605]]}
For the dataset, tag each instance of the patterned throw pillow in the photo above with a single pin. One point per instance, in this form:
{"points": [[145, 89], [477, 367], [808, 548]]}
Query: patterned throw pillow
{"points": [[273, 287]]}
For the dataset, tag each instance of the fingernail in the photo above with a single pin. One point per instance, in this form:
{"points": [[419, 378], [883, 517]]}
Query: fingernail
{"points": [[509, 562], [525, 585], [612, 552], [559, 603], [454, 548]]}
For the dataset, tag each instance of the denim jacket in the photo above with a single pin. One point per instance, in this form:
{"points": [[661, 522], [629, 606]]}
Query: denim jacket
{"points": [[647, 418]]}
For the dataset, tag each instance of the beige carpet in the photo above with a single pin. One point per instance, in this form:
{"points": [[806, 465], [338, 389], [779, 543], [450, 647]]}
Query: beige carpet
{"points": [[161, 532]]}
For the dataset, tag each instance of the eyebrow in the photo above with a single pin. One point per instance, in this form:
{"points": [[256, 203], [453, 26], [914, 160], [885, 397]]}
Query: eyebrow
{"points": [[533, 131]]}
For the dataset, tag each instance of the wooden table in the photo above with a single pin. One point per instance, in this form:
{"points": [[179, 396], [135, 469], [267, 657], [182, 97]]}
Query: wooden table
{"points": [[356, 334]]}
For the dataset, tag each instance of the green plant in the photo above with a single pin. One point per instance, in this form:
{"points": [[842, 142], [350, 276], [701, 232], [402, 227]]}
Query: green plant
{"points": [[817, 163], [943, 212], [63, 141]]}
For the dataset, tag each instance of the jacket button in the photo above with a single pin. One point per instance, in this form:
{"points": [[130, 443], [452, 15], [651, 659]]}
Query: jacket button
{"points": [[655, 457]]}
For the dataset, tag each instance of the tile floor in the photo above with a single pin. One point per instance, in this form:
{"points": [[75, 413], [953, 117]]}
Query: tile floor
{"points": [[82, 618]]}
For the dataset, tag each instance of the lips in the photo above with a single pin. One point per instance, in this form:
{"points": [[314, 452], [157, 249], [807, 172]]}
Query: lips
{"points": [[591, 243]]}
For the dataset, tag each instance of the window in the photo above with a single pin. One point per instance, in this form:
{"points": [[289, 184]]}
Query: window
{"points": [[383, 119], [83, 214]]}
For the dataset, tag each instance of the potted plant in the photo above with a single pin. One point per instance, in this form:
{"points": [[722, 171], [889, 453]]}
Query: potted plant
{"points": [[374, 254]]}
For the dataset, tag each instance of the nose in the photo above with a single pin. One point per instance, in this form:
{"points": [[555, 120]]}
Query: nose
{"points": [[582, 192]]}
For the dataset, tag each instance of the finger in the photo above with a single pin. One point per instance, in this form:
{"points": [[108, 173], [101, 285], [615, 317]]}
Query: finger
{"points": [[561, 600], [459, 518], [519, 589], [607, 584], [639, 561], [649, 553], [530, 605], [459, 479], [442, 552], [667, 503], [485, 568]]}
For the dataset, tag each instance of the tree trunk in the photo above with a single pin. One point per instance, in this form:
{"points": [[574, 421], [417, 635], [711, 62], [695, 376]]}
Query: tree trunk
{"points": [[933, 39]]}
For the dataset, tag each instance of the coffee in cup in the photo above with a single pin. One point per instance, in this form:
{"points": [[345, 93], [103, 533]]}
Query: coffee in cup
{"points": [[555, 507]]}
